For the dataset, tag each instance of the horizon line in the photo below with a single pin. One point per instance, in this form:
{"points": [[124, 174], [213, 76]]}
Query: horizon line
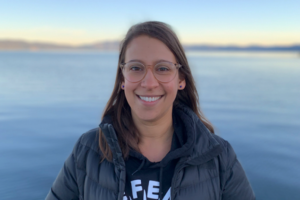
{"points": [[118, 41]]}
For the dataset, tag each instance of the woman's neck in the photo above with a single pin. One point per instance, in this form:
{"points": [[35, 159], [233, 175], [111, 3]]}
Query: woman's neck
{"points": [[155, 137]]}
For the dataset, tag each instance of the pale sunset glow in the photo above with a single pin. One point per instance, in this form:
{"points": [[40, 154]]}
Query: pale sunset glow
{"points": [[195, 22]]}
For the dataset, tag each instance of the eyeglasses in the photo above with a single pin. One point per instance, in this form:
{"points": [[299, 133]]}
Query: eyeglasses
{"points": [[136, 71]]}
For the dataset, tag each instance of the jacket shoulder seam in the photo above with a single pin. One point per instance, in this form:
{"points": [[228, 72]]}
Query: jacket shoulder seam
{"points": [[190, 185], [90, 148], [101, 184], [83, 144]]}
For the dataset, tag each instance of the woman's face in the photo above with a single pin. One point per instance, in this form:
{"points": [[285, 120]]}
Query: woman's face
{"points": [[150, 51]]}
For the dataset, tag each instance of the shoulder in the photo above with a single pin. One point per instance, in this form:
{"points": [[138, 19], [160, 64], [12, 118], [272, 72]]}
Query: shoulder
{"points": [[233, 179], [90, 139], [227, 157], [87, 145], [211, 144]]}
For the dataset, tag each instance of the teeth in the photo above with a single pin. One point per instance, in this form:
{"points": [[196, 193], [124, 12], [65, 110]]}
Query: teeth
{"points": [[149, 99]]}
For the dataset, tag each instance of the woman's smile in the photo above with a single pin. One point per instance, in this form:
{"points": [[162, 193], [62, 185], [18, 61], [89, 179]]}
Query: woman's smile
{"points": [[149, 100]]}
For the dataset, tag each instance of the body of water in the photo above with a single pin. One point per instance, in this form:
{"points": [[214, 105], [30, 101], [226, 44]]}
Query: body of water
{"points": [[48, 99]]}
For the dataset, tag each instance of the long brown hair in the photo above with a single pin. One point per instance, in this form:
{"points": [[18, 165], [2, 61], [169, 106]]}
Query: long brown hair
{"points": [[117, 105]]}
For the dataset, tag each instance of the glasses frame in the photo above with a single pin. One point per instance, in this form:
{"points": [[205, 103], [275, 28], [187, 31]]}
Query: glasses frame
{"points": [[177, 65]]}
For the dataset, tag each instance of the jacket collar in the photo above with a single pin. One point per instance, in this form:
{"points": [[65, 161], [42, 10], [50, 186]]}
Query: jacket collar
{"points": [[200, 144], [112, 140], [205, 146]]}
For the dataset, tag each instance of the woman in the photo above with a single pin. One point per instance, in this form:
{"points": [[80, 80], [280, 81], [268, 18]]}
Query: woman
{"points": [[153, 141]]}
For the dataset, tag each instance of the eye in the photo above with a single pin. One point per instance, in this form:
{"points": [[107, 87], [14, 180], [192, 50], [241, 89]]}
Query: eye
{"points": [[163, 67], [135, 67]]}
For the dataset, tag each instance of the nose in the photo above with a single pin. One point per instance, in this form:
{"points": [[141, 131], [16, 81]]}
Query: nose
{"points": [[149, 81]]}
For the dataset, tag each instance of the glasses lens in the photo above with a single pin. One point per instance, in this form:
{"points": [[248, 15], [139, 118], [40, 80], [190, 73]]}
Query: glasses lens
{"points": [[134, 71], [165, 71]]}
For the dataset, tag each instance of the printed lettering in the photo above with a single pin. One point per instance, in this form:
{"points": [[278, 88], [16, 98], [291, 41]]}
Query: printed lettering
{"points": [[152, 190], [152, 193], [167, 195], [136, 187]]}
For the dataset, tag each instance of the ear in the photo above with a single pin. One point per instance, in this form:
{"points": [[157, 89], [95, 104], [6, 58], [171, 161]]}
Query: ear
{"points": [[181, 84]]}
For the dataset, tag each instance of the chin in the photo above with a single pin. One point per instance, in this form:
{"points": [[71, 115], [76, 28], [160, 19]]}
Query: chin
{"points": [[147, 116]]}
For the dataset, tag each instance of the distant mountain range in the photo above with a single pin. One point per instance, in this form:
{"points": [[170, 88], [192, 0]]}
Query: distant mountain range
{"points": [[15, 45], [239, 48], [36, 46]]}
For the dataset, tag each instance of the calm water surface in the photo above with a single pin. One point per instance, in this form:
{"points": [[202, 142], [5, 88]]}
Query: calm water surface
{"points": [[48, 99]]}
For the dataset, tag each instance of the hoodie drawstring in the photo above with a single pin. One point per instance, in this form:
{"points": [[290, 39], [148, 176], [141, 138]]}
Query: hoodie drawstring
{"points": [[140, 167], [160, 183]]}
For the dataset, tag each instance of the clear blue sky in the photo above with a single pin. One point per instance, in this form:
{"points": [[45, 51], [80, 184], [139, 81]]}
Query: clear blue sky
{"points": [[201, 22]]}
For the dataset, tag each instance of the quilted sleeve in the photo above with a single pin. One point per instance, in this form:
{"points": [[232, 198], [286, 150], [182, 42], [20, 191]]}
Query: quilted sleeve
{"points": [[65, 185], [236, 185]]}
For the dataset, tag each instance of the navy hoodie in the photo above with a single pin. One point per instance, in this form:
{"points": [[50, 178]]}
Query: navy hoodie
{"points": [[152, 180]]}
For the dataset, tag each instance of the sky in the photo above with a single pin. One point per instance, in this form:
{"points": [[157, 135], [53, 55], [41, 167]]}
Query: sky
{"points": [[214, 22]]}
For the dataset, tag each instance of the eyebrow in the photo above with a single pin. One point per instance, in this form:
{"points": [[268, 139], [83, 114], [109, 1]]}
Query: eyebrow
{"points": [[158, 61]]}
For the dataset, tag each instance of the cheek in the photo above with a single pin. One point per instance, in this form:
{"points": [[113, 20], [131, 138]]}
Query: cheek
{"points": [[131, 86], [129, 90], [172, 89]]}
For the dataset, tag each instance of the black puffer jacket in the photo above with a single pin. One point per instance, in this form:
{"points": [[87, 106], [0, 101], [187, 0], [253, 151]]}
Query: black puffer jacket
{"points": [[211, 172]]}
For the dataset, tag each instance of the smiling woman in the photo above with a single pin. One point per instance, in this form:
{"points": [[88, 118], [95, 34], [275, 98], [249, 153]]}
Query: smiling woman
{"points": [[153, 141], [140, 94]]}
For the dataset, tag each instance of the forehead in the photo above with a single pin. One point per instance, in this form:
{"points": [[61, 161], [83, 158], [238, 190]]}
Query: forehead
{"points": [[148, 50]]}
